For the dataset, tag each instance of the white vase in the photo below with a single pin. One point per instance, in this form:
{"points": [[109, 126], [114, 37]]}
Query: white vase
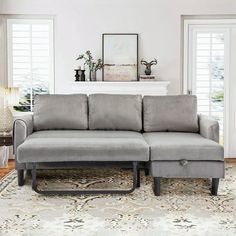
{"points": [[6, 120]]}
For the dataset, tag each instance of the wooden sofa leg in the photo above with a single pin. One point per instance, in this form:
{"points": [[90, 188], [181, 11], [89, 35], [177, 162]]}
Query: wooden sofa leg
{"points": [[157, 186], [20, 177], [214, 186]]}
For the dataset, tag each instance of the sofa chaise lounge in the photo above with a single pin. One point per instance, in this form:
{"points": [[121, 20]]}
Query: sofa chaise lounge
{"points": [[162, 133]]}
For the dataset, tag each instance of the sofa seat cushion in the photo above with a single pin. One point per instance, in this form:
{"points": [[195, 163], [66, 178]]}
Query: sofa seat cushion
{"points": [[176, 146], [78, 145]]}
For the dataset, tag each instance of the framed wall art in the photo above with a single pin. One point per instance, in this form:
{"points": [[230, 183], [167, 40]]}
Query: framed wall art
{"points": [[120, 57]]}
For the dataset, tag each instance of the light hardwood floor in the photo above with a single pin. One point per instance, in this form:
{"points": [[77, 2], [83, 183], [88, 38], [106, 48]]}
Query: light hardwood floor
{"points": [[5, 171]]}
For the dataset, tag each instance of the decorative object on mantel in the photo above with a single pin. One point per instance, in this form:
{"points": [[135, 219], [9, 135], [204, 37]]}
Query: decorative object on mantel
{"points": [[147, 78], [148, 65], [93, 65], [79, 74], [120, 57], [82, 76]]}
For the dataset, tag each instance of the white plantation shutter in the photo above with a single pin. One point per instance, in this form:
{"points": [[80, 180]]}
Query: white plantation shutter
{"points": [[208, 71], [30, 58]]}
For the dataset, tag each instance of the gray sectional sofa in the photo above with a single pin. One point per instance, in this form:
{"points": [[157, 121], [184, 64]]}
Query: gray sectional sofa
{"points": [[163, 134]]}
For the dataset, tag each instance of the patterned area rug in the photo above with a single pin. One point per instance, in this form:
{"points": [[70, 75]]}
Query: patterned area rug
{"points": [[185, 207]]}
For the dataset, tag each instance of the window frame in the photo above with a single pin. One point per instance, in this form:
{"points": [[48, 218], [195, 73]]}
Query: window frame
{"points": [[186, 38], [31, 20], [192, 69], [186, 59]]}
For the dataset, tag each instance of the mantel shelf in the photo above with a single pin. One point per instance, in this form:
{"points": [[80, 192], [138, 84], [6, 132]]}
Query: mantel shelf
{"points": [[121, 82], [158, 87]]}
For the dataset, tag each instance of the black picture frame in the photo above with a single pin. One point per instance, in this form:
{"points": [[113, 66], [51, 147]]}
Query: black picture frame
{"points": [[124, 79]]}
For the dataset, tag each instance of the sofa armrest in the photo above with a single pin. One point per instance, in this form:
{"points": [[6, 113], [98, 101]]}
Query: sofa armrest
{"points": [[22, 128], [209, 127]]}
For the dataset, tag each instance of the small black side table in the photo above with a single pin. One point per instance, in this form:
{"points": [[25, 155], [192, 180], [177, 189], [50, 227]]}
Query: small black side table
{"points": [[6, 140]]}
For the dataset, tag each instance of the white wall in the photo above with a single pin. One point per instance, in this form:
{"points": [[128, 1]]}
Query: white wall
{"points": [[79, 25]]}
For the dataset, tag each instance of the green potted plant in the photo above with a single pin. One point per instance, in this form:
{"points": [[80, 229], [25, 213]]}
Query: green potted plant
{"points": [[93, 65]]}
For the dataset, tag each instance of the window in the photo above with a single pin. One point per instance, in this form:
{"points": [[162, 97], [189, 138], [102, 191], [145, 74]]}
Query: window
{"points": [[30, 58], [208, 72]]}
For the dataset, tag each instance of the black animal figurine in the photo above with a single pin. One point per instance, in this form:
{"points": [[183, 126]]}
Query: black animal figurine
{"points": [[148, 65]]}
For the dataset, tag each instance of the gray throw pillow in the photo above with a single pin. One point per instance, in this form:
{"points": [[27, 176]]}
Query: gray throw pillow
{"points": [[170, 113], [115, 112], [60, 112]]}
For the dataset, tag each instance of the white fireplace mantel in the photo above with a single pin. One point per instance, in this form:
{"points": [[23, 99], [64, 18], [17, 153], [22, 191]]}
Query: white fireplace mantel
{"points": [[139, 87]]}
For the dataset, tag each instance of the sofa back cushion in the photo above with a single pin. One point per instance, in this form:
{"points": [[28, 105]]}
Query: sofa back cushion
{"points": [[170, 113], [60, 112], [115, 112]]}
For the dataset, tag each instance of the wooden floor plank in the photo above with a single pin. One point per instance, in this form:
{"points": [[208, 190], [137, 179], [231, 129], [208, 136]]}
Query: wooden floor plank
{"points": [[5, 171], [230, 160]]}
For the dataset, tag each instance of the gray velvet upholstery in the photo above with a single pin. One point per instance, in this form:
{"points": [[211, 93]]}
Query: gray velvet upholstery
{"points": [[194, 169], [115, 112], [23, 127], [85, 134], [57, 133], [209, 127], [170, 113], [177, 146], [60, 112], [60, 146]]}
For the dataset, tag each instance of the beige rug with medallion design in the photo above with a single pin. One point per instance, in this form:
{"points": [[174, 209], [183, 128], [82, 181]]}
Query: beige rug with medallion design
{"points": [[185, 207]]}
